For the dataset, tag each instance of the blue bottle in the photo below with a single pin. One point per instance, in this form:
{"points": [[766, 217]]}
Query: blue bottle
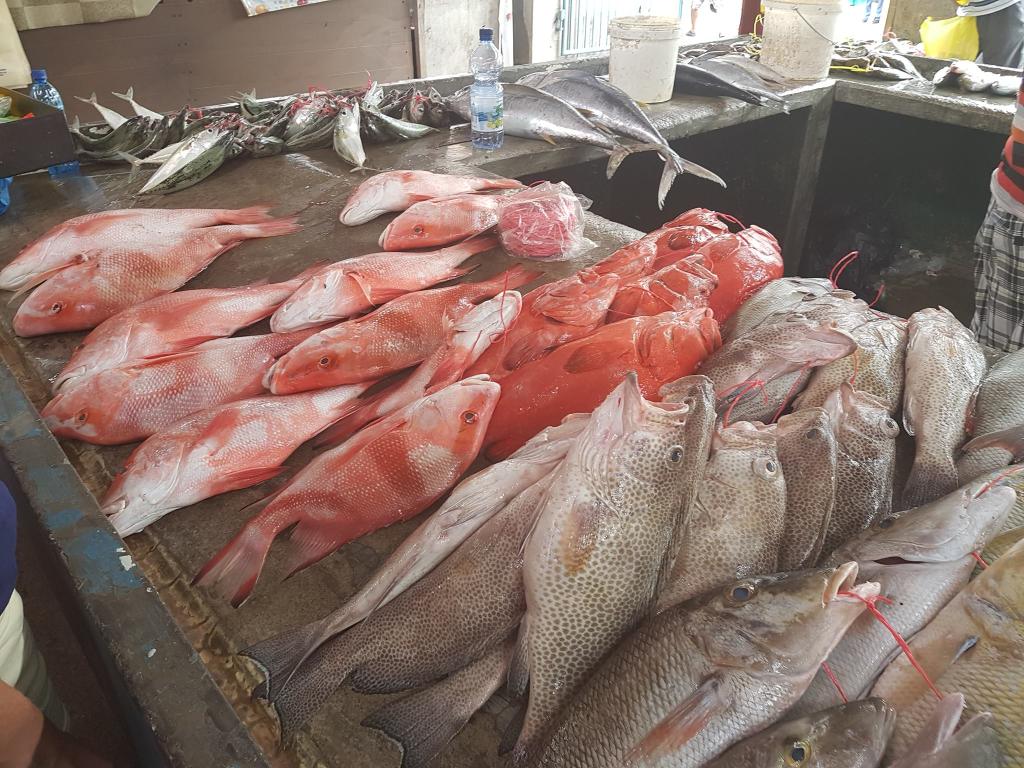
{"points": [[485, 94], [43, 91]]}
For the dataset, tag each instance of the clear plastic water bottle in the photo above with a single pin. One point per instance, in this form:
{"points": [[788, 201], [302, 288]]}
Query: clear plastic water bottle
{"points": [[485, 94], [42, 90]]}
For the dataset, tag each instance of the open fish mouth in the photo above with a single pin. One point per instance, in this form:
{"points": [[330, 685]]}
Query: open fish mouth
{"points": [[842, 586]]}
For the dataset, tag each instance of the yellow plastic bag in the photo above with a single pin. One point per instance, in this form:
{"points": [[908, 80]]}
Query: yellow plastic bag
{"points": [[955, 38]]}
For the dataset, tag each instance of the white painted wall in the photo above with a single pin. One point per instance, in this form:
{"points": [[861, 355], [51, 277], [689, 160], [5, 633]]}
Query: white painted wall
{"points": [[447, 32]]}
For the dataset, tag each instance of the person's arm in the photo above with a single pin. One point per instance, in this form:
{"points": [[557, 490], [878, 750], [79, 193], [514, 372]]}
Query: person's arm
{"points": [[29, 740]]}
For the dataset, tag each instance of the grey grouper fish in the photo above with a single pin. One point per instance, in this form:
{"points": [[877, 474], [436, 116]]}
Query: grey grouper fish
{"points": [[611, 108], [604, 536], [699, 677], [998, 407], [945, 365]]}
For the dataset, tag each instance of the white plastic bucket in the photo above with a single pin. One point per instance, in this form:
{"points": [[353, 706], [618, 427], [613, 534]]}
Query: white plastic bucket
{"points": [[642, 56], [799, 37]]}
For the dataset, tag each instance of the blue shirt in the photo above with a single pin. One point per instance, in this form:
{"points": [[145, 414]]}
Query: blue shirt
{"points": [[8, 531]]}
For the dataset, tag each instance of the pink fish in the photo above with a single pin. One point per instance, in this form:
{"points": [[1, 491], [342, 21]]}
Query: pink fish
{"points": [[138, 399], [83, 237], [222, 449], [442, 221], [388, 472], [400, 334], [467, 340], [353, 286], [173, 323], [82, 296], [397, 190]]}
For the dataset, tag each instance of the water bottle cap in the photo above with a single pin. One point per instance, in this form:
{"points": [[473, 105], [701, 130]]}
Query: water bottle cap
{"points": [[486, 34], [38, 75]]}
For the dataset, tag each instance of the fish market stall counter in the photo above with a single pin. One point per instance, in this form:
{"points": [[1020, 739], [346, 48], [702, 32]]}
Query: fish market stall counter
{"points": [[168, 646], [173, 654]]}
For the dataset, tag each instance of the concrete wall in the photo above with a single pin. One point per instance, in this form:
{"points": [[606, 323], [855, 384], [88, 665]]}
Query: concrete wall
{"points": [[905, 16], [202, 52], [536, 30], [447, 31]]}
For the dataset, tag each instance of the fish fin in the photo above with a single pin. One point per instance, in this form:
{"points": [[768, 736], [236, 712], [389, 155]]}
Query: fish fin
{"points": [[592, 357], [129, 96], [38, 278], [90, 100], [525, 350], [548, 139], [686, 720], [244, 478], [687, 166], [185, 345], [569, 312], [519, 668], [908, 413], [668, 177], [1010, 440], [615, 160], [233, 571], [940, 726], [378, 295], [511, 734], [424, 722], [136, 164], [308, 543], [969, 414], [279, 657]]}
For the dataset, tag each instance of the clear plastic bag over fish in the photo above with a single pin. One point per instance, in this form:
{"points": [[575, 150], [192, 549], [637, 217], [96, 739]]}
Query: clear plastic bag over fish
{"points": [[544, 222]]}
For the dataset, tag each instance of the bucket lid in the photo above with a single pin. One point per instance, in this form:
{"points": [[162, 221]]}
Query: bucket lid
{"points": [[646, 27]]}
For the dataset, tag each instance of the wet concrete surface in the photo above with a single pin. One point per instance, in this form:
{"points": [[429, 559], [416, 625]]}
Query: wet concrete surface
{"points": [[171, 551]]}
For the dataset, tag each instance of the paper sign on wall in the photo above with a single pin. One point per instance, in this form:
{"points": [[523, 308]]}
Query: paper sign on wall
{"points": [[14, 70], [256, 7], [36, 14]]}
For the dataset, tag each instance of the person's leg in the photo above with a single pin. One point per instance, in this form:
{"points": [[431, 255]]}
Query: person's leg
{"points": [[999, 281], [1001, 37], [694, 8]]}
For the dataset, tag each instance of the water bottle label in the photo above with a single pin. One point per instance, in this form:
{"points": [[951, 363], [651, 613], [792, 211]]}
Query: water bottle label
{"points": [[487, 113]]}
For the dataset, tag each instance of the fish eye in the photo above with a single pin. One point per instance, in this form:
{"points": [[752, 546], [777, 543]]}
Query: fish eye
{"points": [[469, 417], [886, 522], [325, 361], [57, 307], [675, 454], [741, 593], [418, 229], [798, 753], [690, 401], [814, 433], [766, 468], [890, 426], [82, 416]]}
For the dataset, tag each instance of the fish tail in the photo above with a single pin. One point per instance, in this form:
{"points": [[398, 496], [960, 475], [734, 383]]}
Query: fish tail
{"points": [[254, 214], [279, 657], [668, 177], [232, 572], [309, 543], [266, 228], [503, 184], [424, 722], [135, 163], [129, 96], [615, 160]]}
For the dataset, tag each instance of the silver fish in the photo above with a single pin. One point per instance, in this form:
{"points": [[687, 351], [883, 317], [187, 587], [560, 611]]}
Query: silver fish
{"points": [[998, 407], [112, 118], [346, 139], [196, 158], [1006, 85], [945, 365], [610, 108], [137, 108], [701, 676], [604, 536], [852, 735]]}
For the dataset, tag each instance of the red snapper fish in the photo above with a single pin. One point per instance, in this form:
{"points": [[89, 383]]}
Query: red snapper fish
{"points": [[388, 472], [442, 221], [400, 334], [466, 341], [82, 296], [138, 399], [173, 323], [222, 449], [576, 377], [83, 237], [356, 285], [743, 262], [631, 261], [395, 191], [553, 314], [686, 284]]}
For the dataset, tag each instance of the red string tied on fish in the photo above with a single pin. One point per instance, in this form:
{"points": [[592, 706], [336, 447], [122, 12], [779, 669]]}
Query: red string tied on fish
{"points": [[871, 604]]}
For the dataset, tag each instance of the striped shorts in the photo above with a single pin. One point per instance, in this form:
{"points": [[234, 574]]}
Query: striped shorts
{"points": [[999, 281]]}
